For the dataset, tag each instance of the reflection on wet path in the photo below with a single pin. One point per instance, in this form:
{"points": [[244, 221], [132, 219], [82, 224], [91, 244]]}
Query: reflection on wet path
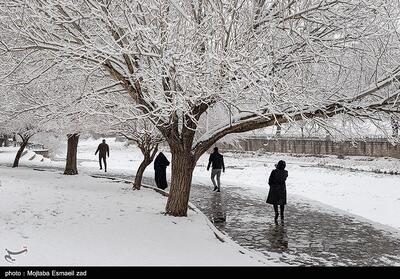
{"points": [[308, 236]]}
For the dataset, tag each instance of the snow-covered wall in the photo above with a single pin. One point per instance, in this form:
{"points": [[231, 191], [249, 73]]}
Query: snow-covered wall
{"points": [[372, 147]]}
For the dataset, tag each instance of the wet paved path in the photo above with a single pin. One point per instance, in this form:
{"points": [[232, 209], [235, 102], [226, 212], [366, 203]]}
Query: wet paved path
{"points": [[308, 237]]}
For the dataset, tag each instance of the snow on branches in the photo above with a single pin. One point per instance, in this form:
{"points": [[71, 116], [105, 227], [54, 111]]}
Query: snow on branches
{"points": [[268, 62]]}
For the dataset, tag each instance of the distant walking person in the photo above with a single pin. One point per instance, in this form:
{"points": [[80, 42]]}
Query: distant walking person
{"points": [[160, 171], [277, 189], [103, 150], [217, 162]]}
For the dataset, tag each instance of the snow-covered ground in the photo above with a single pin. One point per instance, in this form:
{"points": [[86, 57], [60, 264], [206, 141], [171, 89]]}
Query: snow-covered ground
{"points": [[80, 220], [373, 196]]}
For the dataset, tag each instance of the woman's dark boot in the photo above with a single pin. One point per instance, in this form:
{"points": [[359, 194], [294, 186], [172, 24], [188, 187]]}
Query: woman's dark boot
{"points": [[276, 213]]}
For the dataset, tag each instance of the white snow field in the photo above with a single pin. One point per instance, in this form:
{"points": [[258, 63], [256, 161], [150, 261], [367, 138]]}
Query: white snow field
{"points": [[81, 220], [371, 196]]}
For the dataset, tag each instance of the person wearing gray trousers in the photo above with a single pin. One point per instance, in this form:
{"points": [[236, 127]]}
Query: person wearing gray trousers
{"points": [[217, 162]]}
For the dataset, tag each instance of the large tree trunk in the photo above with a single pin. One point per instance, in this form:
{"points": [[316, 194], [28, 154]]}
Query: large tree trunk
{"points": [[71, 165], [24, 143], [183, 164]]}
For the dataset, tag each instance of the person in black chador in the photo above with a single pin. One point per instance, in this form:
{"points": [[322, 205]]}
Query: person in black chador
{"points": [[217, 162], [103, 150], [160, 171], [277, 189]]}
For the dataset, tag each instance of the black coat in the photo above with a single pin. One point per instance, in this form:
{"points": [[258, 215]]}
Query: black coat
{"points": [[277, 187], [103, 150], [160, 175], [217, 161]]}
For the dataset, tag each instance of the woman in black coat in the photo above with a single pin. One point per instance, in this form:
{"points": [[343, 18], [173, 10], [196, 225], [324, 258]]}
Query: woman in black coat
{"points": [[277, 188], [160, 171]]}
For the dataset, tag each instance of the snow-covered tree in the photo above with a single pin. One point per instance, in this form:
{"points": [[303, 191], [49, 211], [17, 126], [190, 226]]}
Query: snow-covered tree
{"points": [[268, 62], [70, 91], [19, 120], [146, 136], [117, 114], [56, 103]]}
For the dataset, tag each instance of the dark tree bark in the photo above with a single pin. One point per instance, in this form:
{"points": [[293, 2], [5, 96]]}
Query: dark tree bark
{"points": [[149, 154], [24, 143], [183, 164], [139, 174], [6, 142], [71, 162]]}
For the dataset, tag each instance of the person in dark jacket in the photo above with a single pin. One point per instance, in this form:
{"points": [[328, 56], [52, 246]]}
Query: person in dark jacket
{"points": [[103, 150], [277, 189], [217, 162], [160, 171]]}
